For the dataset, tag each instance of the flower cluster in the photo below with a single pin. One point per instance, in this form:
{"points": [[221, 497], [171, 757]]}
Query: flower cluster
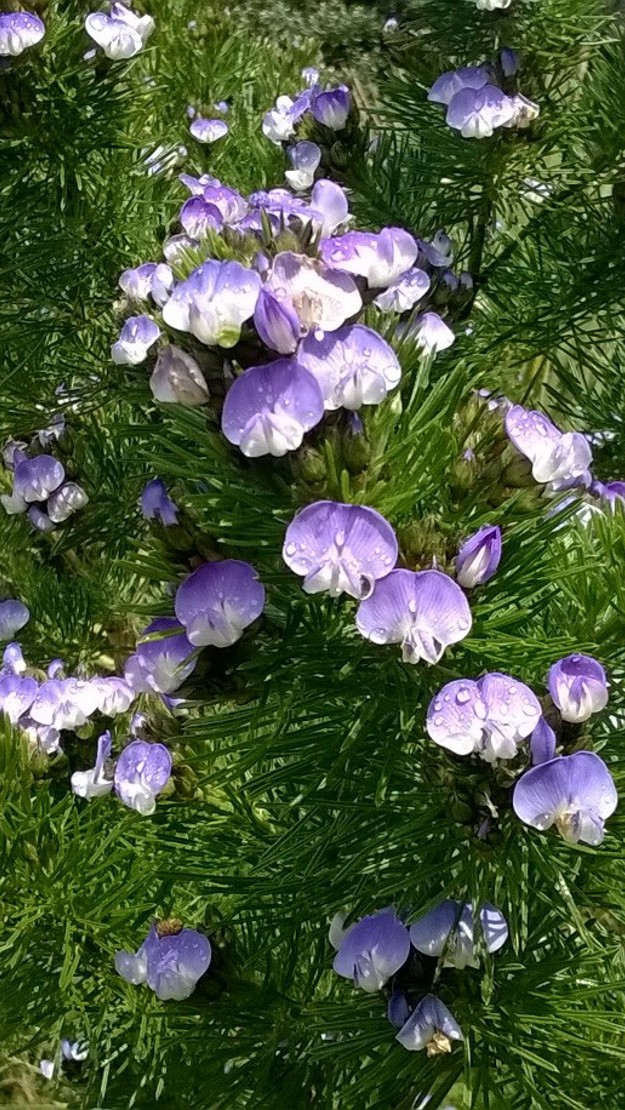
{"points": [[495, 715], [378, 953], [476, 102], [40, 488]]}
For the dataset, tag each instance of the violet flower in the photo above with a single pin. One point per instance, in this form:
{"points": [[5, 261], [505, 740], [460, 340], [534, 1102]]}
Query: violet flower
{"points": [[137, 283], [114, 694], [430, 333], [138, 334], [404, 292], [35, 479], [276, 322], [208, 130], [611, 491], [380, 258], [578, 686], [449, 931], [575, 793], [218, 601], [321, 297], [177, 379], [18, 32], [169, 964], [304, 158], [13, 616], [141, 772], [542, 743], [162, 284], [559, 458], [490, 717], [268, 409], [65, 703], [198, 217], [372, 950], [424, 611], [279, 122], [448, 84], [340, 548], [17, 693], [163, 658], [353, 366], [478, 558], [156, 504], [120, 34], [40, 520], [95, 782], [476, 113], [430, 1026], [214, 302], [332, 107], [65, 501]]}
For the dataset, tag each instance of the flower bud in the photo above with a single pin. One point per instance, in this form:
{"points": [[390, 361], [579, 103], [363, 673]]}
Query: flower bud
{"points": [[578, 686], [276, 323], [478, 558], [177, 379], [331, 108]]}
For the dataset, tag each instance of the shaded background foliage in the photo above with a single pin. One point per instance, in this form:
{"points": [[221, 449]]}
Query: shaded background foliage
{"points": [[303, 780]]}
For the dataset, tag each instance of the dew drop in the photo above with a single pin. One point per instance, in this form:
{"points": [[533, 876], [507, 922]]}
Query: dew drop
{"points": [[438, 705], [290, 549], [463, 696]]}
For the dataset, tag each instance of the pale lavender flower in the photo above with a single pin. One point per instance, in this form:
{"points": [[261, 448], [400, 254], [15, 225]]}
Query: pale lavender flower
{"points": [[578, 686], [214, 302], [558, 458], [138, 334], [177, 379], [404, 292], [35, 479], [120, 34], [328, 206], [66, 501], [542, 743], [340, 548], [478, 558], [449, 84], [13, 616], [156, 504], [279, 122], [372, 950], [198, 217], [40, 520], [170, 965], [229, 203], [276, 322], [175, 246], [268, 409], [222, 106], [304, 158], [476, 113], [321, 297], [424, 611], [13, 661], [353, 366], [390, 25], [431, 334], [141, 772], [95, 782], [19, 31], [17, 693], [13, 453], [196, 185], [381, 258], [490, 717], [65, 703], [114, 694], [332, 107], [208, 130], [449, 931], [163, 659], [439, 252], [137, 283], [162, 284], [575, 793], [218, 601], [430, 1026]]}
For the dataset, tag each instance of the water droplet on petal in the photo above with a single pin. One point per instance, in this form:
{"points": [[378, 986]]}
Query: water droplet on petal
{"points": [[463, 696]]}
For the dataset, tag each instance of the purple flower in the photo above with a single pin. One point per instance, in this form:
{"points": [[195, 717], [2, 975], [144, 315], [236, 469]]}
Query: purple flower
{"points": [[13, 661], [141, 772], [35, 479], [137, 283], [65, 703], [268, 409], [214, 302], [448, 930], [439, 252], [381, 259], [340, 548], [156, 504], [137, 336], [175, 246], [95, 782], [18, 31], [276, 322], [279, 122], [448, 84], [424, 611], [321, 297], [332, 107], [218, 601], [510, 61], [66, 501], [475, 113], [398, 1009], [430, 1026], [198, 217], [561, 458], [353, 366], [373, 950], [491, 716], [162, 284], [611, 491], [403, 293], [170, 965], [208, 130], [164, 658], [304, 158], [542, 743], [121, 34], [578, 686], [17, 694], [177, 379], [479, 557], [114, 694], [328, 206], [40, 520], [231, 206], [430, 333], [13, 616], [573, 792]]}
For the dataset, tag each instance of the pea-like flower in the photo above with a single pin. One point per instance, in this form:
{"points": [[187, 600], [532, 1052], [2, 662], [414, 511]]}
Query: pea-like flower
{"points": [[404, 292], [208, 130], [372, 950], [576, 793], [380, 258], [277, 322], [163, 659], [18, 32], [65, 501], [218, 601], [269, 409], [430, 1026], [35, 479], [559, 458], [321, 297], [120, 33], [424, 611], [156, 504], [214, 302], [138, 334], [476, 113], [98, 780], [65, 703], [141, 772], [479, 557], [448, 84], [449, 931], [340, 548], [578, 686], [13, 616], [490, 717], [542, 742], [304, 158], [170, 963], [177, 379], [136, 283], [332, 107], [353, 366], [17, 693]]}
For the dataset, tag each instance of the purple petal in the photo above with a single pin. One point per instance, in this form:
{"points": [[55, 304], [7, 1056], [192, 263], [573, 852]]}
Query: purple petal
{"points": [[276, 323], [176, 963], [353, 366], [138, 334], [542, 743], [332, 107], [398, 1009], [35, 479], [218, 601], [574, 792], [198, 218], [512, 713], [18, 31], [321, 297], [340, 548], [214, 302], [431, 334], [403, 293], [373, 950], [424, 611], [268, 409], [115, 695], [66, 501], [381, 259], [479, 557], [137, 283], [13, 616], [430, 1026], [477, 112], [157, 505], [578, 686], [329, 199], [142, 771], [165, 656], [17, 694], [448, 84], [208, 130], [456, 717]]}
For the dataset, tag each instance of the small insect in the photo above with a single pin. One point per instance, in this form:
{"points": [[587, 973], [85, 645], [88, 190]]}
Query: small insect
{"points": [[169, 927]]}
